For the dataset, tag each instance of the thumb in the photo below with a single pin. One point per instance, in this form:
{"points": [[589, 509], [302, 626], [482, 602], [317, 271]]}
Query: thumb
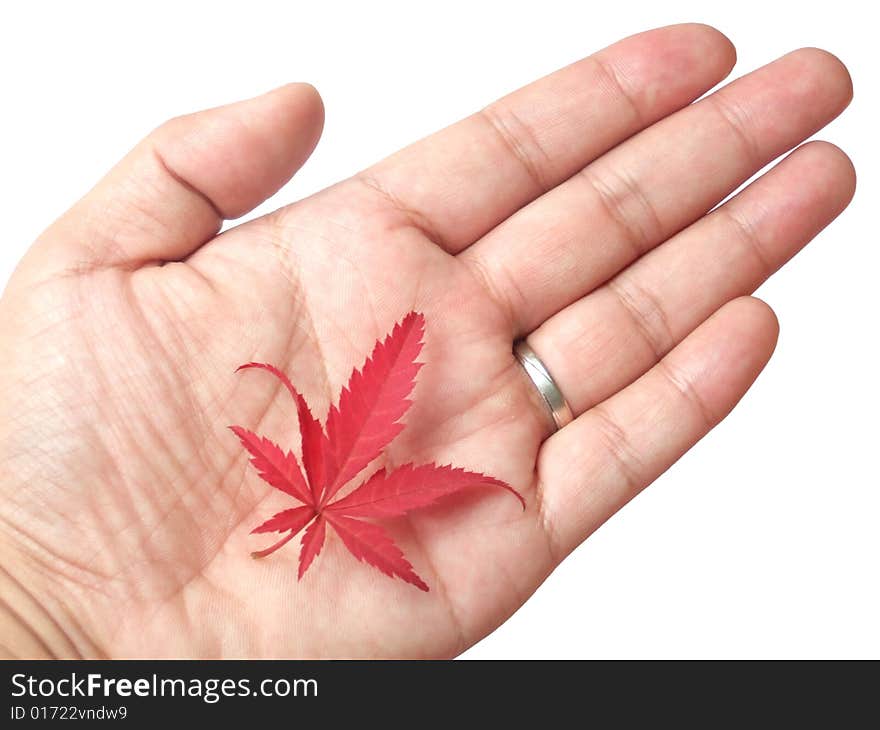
{"points": [[171, 193]]}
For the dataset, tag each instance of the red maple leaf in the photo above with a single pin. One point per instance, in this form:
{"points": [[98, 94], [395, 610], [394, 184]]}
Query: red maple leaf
{"points": [[366, 420]]}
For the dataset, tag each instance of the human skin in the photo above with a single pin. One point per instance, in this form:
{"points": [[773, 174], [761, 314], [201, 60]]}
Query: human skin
{"points": [[573, 211]]}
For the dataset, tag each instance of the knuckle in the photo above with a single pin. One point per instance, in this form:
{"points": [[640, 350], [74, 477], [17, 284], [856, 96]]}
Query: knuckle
{"points": [[685, 390], [737, 118], [627, 206], [619, 447], [646, 313], [521, 141]]}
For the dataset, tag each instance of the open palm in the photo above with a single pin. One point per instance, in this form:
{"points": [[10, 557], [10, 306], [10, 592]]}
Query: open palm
{"points": [[573, 211]]}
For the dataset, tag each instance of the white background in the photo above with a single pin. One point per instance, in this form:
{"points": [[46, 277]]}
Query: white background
{"points": [[762, 542]]}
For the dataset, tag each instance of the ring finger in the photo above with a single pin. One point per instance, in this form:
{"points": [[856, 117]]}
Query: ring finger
{"points": [[607, 339]]}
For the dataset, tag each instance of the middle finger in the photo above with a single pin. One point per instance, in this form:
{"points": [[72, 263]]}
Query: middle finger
{"points": [[582, 232]]}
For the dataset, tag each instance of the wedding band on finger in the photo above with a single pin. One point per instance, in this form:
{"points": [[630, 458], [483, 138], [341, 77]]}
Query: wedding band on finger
{"points": [[543, 381]]}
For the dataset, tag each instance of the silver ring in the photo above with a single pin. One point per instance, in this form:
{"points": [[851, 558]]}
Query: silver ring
{"points": [[540, 376]]}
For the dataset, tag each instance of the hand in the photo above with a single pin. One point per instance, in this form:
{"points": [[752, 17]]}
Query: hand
{"points": [[572, 211]]}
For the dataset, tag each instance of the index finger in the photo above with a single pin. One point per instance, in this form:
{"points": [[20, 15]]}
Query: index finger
{"points": [[460, 182]]}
